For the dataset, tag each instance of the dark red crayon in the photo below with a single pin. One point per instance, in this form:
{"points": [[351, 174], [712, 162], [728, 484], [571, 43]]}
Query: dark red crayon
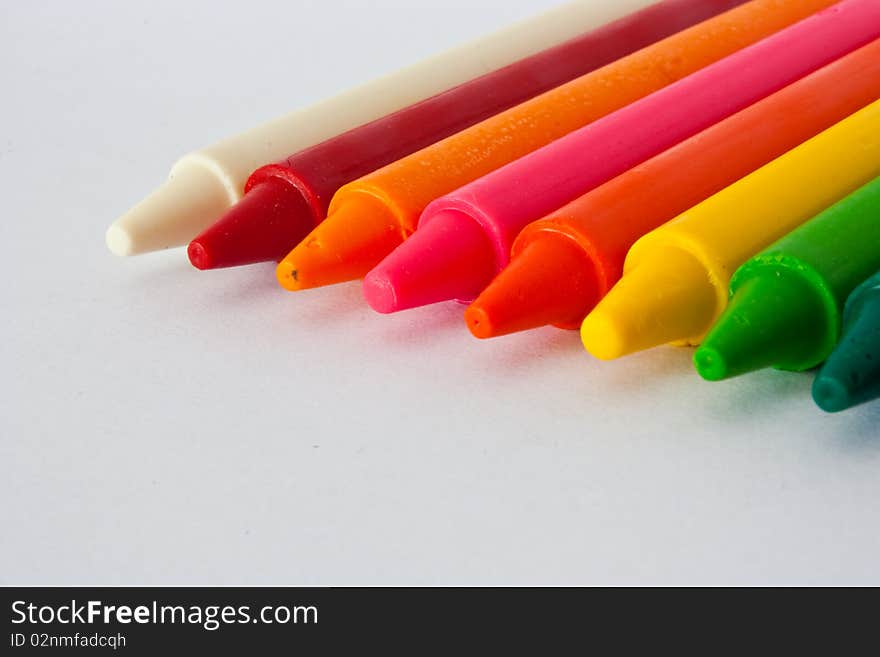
{"points": [[284, 201]]}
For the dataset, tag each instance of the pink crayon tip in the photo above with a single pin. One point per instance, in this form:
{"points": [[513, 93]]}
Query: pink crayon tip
{"points": [[448, 257]]}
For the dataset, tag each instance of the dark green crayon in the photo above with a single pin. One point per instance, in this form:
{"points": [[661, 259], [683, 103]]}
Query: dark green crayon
{"points": [[786, 303], [851, 375]]}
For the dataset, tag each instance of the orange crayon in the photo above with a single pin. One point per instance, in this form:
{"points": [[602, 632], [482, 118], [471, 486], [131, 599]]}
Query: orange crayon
{"points": [[564, 263], [371, 216]]}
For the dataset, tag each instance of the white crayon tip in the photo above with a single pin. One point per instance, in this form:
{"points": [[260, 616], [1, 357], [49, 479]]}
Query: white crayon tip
{"points": [[119, 241], [192, 199]]}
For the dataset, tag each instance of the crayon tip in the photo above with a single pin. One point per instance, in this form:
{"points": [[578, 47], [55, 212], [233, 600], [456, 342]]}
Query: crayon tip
{"points": [[551, 281], [119, 241], [343, 247], [448, 257], [605, 337], [199, 256], [480, 322], [667, 297], [271, 218], [851, 375], [172, 214], [774, 318], [710, 364], [831, 394]]}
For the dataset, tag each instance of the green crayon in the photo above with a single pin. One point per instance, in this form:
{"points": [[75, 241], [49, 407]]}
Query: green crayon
{"points": [[786, 303], [852, 373]]}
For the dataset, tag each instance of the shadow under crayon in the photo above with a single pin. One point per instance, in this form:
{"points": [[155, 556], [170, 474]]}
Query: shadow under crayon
{"points": [[522, 353], [417, 328], [856, 430], [323, 307], [646, 371], [242, 286], [755, 395], [172, 274]]}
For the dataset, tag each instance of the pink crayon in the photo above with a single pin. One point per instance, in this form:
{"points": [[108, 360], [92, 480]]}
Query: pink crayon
{"points": [[464, 238]]}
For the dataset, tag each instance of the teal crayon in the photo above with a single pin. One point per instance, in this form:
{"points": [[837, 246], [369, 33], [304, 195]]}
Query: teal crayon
{"points": [[787, 302], [851, 375]]}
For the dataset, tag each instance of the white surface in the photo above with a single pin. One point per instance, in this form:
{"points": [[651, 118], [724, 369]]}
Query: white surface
{"points": [[164, 425]]}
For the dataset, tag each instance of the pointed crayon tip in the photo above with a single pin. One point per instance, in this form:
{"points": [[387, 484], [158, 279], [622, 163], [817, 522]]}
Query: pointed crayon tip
{"points": [[172, 214], [775, 318], [344, 247], [119, 241], [551, 281], [449, 257], [480, 322], [271, 218], [199, 256], [604, 336], [831, 394], [667, 297], [710, 364]]}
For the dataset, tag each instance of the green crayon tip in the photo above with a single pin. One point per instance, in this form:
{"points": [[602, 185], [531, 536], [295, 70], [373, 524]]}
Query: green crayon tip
{"points": [[771, 320], [851, 375]]}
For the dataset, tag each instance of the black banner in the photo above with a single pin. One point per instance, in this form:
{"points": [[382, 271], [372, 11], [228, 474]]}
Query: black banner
{"points": [[243, 620]]}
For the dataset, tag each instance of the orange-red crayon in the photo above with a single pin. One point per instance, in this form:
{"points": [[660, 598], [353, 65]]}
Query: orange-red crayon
{"points": [[564, 263]]}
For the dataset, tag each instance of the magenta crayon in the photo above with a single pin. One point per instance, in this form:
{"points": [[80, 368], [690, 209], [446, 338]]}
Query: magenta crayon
{"points": [[464, 238], [285, 200]]}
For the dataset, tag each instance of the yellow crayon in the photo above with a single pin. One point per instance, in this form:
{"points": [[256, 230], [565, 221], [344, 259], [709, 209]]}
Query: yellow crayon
{"points": [[675, 279]]}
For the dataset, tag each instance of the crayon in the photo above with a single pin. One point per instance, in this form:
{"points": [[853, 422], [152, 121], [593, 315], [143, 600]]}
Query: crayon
{"points": [[675, 278], [371, 216], [851, 375], [204, 184], [786, 302], [562, 264], [285, 200], [463, 238]]}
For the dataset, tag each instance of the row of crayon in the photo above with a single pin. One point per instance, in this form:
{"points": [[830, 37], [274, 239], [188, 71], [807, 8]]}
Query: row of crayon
{"points": [[702, 172]]}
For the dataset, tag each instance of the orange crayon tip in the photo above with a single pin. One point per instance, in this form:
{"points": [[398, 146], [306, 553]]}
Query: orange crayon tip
{"points": [[344, 247], [551, 281]]}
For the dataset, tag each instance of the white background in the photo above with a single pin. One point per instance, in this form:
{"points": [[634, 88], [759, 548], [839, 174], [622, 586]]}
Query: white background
{"points": [[163, 425]]}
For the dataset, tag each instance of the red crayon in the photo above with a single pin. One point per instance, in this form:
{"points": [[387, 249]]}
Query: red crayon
{"points": [[283, 202]]}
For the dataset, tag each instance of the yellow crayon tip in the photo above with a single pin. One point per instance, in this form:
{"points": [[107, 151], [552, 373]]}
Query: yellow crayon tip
{"points": [[603, 337], [666, 297]]}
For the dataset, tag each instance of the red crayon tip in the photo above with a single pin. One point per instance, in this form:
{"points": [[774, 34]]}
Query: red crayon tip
{"points": [[271, 218], [551, 281], [199, 256], [447, 258]]}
